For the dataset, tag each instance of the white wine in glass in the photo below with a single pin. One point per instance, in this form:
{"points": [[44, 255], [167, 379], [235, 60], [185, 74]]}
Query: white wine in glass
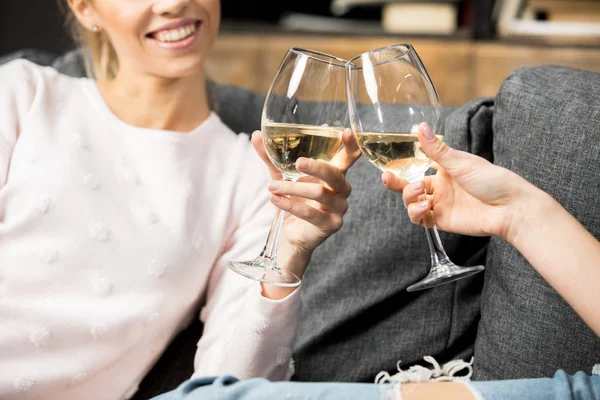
{"points": [[304, 115], [398, 153], [285, 143], [389, 94]]}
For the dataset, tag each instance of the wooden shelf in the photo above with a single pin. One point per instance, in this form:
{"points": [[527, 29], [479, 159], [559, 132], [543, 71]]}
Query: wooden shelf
{"points": [[461, 69], [262, 29]]}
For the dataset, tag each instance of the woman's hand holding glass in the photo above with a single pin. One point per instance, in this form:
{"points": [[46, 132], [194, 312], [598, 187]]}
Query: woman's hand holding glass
{"points": [[306, 143], [314, 205], [390, 94], [468, 194], [472, 196]]}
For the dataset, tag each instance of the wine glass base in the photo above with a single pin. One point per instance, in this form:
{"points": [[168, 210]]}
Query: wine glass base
{"points": [[442, 274], [263, 270]]}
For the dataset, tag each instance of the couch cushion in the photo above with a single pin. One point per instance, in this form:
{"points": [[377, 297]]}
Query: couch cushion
{"points": [[39, 57], [357, 316], [71, 63], [546, 129]]}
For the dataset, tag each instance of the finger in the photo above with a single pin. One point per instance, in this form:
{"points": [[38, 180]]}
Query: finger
{"points": [[418, 191], [299, 209], [326, 172], [257, 142], [324, 221], [311, 191], [425, 197], [417, 212], [349, 154], [453, 161], [392, 182], [412, 192]]}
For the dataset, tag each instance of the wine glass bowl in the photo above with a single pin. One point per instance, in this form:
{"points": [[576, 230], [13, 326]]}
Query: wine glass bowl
{"points": [[305, 111], [391, 96]]}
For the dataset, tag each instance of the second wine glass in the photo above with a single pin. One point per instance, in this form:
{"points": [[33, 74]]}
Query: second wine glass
{"points": [[389, 94], [304, 115]]}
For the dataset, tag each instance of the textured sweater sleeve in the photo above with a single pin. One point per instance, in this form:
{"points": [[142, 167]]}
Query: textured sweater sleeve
{"points": [[246, 334], [17, 93]]}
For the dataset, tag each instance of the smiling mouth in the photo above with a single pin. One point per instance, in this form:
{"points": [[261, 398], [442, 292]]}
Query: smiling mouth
{"points": [[176, 34]]}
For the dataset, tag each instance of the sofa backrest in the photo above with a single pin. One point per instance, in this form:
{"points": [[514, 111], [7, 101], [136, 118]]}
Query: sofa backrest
{"points": [[546, 129]]}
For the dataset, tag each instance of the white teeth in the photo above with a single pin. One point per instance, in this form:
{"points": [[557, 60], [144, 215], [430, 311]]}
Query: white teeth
{"points": [[175, 35]]}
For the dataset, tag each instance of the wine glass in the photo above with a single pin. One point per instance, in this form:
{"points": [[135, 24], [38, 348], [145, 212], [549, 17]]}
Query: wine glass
{"points": [[389, 94], [304, 115]]}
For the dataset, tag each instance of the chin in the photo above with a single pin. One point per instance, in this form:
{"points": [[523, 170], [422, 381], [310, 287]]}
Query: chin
{"points": [[174, 69]]}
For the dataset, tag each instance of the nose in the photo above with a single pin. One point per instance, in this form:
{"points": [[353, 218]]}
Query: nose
{"points": [[170, 7]]}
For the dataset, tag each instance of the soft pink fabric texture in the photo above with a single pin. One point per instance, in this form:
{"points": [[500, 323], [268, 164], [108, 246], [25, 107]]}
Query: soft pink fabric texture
{"points": [[112, 236]]}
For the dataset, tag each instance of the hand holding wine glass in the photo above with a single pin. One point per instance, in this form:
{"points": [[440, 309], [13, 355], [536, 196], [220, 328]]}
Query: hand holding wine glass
{"points": [[390, 94], [304, 127], [468, 194], [314, 205]]}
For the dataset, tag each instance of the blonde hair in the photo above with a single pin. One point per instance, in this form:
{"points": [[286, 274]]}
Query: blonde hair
{"points": [[101, 61]]}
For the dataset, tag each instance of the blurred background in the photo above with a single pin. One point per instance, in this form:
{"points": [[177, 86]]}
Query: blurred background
{"points": [[468, 46]]}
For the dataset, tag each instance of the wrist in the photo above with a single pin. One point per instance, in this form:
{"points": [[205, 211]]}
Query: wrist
{"points": [[529, 211], [293, 258], [273, 292]]}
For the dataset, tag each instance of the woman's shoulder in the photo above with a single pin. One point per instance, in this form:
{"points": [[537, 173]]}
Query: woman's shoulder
{"points": [[22, 78], [18, 66], [21, 69], [27, 88], [18, 77]]}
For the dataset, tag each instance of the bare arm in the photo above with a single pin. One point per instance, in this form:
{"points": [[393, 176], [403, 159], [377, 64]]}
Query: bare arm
{"points": [[561, 250]]}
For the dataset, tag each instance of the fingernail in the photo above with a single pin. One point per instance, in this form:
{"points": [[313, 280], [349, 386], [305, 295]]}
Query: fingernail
{"points": [[276, 199], [274, 186], [416, 185], [302, 163], [424, 204], [427, 131]]}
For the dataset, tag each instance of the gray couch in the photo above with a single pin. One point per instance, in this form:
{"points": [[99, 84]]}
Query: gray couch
{"points": [[358, 318]]}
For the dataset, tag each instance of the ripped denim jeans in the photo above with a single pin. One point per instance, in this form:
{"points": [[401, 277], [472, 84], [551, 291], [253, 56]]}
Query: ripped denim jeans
{"points": [[561, 387]]}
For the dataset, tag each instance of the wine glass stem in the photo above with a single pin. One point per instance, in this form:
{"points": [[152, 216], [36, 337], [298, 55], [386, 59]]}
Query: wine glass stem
{"points": [[436, 249], [438, 254], [270, 251]]}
